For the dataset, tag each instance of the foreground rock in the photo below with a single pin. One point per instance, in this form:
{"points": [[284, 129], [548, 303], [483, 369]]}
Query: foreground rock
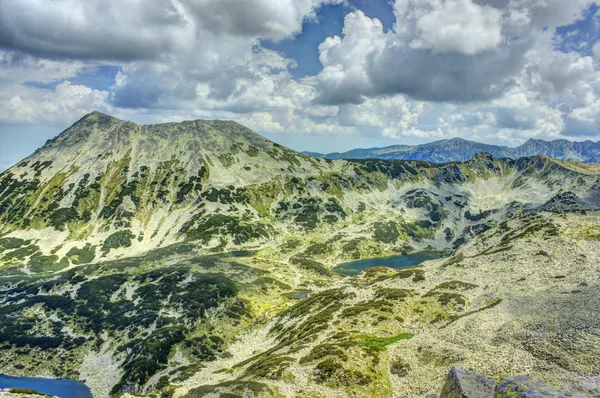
{"points": [[524, 387], [462, 383]]}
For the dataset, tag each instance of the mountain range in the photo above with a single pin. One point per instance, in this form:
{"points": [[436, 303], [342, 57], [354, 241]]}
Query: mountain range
{"points": [[460, 150], [200, 259]]}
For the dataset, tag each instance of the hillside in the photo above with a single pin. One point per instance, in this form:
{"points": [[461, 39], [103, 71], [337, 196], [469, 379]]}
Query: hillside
{"points": [[195, 258], [458, 149]]}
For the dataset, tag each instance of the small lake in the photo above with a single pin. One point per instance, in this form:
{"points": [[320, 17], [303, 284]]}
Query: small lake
{"points": [[63, 388], [407, 260]]}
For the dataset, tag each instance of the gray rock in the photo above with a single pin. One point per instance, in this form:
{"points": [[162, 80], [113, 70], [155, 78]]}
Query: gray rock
{"points": [[524, 387], [462, 383]]}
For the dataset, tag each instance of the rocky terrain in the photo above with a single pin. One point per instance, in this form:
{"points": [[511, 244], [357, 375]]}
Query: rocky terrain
{"points": [[21, 393], [458, 149], [195, 260], [463, 383]]}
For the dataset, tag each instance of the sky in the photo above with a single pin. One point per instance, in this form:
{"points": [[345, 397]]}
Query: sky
{"points": [[318, 75]]}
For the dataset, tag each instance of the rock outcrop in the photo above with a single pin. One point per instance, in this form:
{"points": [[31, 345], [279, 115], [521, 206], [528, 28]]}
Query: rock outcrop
{"points": [[462, 383], [524, 387]]}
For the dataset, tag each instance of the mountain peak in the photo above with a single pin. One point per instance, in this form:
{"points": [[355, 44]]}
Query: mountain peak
{"points": [[96, 116], [457, 139]]}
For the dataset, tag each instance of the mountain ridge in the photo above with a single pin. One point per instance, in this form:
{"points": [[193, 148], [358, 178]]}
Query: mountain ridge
{"points": [[459, 149]]}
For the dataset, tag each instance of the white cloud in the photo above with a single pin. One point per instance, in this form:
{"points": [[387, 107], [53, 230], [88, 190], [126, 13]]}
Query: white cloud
{"points": [[36, 106], [454, 26], [16, 68]]}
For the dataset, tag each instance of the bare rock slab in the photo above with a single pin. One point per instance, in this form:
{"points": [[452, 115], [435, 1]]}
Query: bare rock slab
{"points": [[524, 387], [461, 383]]}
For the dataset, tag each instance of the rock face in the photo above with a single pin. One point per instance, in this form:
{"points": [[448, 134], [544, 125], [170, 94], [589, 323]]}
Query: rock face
{"points": [[462, 383], [524, 387]]}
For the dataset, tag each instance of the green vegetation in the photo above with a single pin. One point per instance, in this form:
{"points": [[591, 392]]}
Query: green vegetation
{"points": [[270, 367], [321, 351], [41, 263], [373, 305], [147, 356], [386, 232], [332, 371], [85, 255], [240, 230], [101, 305], [310, 265], [26, 391], [230, 389], [117, 240], [381, 342], [417, 274], [400, 368], [455, 285], [11, 243], [392, 293], [446, 298]]}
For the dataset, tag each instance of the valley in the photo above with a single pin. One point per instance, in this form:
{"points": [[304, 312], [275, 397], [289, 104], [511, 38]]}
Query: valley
{"points": [[114, 267]]}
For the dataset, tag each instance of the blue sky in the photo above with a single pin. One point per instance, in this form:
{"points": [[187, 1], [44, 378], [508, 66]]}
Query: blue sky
{"points": [[320, 75], [581, 35], [303, 48]]}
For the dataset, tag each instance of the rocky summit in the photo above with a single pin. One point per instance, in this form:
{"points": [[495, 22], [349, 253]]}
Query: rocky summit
{"points": [[198, 259]]}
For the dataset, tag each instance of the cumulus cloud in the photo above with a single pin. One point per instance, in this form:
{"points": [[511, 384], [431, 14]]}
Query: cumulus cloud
{"points": [[37, 106], [459, 26], [18, 67], [132, 30], [110, 29]]}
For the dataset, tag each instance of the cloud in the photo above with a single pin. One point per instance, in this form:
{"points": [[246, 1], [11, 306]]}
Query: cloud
{"points": [[136, 30], [488, 69], [368, 62], [17, 67], [459, 26], [255, 18], [36, 106], [95, 29]]}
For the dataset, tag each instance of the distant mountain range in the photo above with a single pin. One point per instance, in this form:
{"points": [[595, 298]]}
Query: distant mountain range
{"points": [[458, 149]]}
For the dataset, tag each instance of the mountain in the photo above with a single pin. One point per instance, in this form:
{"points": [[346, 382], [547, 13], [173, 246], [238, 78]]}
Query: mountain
{"points": [[198, 259], [458, 149]]}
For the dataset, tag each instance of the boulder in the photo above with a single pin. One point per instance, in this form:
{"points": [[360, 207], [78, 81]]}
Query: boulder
{"points": [[524, 387], [462, 383]]}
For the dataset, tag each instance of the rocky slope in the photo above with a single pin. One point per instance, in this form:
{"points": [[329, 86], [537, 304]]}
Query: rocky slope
{"points": [[195, 258], [458, 149]]}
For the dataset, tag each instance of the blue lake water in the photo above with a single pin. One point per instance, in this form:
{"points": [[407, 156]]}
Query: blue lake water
{"points": [[407, 260], [63, 388]]}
